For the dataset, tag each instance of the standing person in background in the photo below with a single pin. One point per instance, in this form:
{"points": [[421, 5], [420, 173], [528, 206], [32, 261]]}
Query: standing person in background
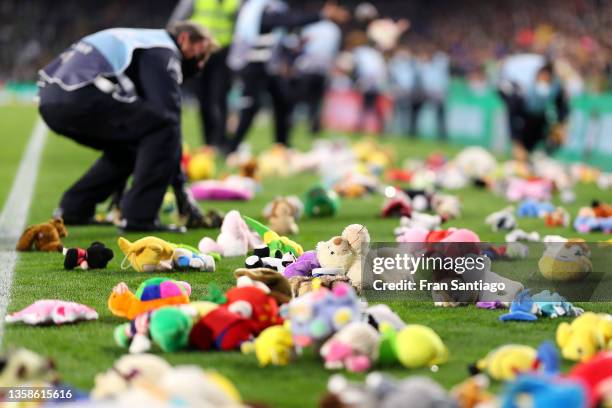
{"points": [[531, 90], [255, 55], [322, 42], [370, 71], [433, 79], [213, 85], [402, 78]]}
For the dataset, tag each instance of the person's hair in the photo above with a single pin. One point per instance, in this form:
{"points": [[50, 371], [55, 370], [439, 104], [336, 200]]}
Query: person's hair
{"points": [[196, 31]]}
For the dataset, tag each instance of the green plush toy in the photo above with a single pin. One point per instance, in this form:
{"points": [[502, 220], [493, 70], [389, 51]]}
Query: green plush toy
{"points": [[320, 202], [413, 346], [168, 327], [274, 241]]}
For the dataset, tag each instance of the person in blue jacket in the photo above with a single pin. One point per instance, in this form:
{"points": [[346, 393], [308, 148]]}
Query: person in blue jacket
{"points": [[118, 91]]}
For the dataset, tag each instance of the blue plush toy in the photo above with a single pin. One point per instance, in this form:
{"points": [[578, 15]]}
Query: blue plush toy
{"points": [[545, 392], [534, 209], [522, 308]]}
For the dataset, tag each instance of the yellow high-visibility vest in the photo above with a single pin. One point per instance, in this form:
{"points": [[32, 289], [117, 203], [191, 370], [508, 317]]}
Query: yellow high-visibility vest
{"points": [[219, 16]]}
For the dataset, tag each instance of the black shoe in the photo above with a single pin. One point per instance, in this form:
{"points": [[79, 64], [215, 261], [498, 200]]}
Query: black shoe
{"points": [[130, 226], [195, 219]]}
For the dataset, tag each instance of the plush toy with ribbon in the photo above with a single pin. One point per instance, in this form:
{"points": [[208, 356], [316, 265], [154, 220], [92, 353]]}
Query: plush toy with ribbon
{"points": [[97, 256]]}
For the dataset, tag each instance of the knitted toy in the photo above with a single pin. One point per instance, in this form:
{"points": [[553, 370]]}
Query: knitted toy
{"points": [[318, 314], [235, 238], [44, 237], [413, 346], [22, 367], [534, 209], [273, 346], [43, 312], [354, 347], [96, 256], [274, 241], [282, 213], [343, 253], [581, 339], [320, 202], [502, 220], [565, 261], [151, 294], [504, 363], [167, 327], [129, 370]]}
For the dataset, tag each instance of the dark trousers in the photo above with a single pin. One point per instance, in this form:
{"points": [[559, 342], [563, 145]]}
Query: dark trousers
{"points": [[440, 111], [212, 87], [526, 128], [258, 81], [312, 91], [370, 105], [134, 140]]}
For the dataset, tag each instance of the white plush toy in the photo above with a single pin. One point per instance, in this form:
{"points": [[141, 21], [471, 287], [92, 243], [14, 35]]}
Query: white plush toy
{"points": [[344, 252], [502, 220]]}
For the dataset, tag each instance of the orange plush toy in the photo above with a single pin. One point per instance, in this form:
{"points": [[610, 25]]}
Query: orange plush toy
{"points": [[151, 294], [602, 210], [44, 237]]}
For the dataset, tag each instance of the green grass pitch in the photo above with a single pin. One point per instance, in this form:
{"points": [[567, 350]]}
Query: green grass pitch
{"points": [[82, 350]]}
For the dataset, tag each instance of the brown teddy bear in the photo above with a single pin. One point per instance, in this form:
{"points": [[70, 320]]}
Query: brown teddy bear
{"points": [[282, 213], [44, 237]]}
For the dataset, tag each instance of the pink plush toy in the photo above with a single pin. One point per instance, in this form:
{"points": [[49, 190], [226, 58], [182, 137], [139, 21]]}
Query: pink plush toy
{"points": [[417, 238], [52, 311], [536, 188], [354, 347], [235, 239], [221, 191]]}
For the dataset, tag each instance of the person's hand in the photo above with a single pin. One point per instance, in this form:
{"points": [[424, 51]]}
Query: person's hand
{"points": [[332, 11]]}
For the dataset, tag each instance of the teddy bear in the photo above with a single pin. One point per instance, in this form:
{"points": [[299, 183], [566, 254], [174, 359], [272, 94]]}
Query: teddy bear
{"points": [[282, 213], [96, 256], [44, 237], [343, 253]]}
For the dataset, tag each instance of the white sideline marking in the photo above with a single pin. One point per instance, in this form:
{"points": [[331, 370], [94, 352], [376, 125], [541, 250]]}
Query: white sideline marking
{"points": [[15, 213]]}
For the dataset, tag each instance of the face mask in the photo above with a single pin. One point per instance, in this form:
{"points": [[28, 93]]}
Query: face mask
{"points": [[542, 89], [190, 67]]}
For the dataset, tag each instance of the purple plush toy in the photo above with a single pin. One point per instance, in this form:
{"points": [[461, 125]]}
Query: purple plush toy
{"points": [[303, 266]]}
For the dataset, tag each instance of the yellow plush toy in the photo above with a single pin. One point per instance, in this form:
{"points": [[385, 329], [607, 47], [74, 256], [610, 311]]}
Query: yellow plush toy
{"points": [[148, 254], [586, 335], [414, 346], [273, 346], [505, 362], [565, 261]]}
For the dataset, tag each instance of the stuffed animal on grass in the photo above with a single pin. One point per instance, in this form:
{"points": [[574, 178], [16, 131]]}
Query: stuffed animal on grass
{"points": [[168, 327], [221, 329], [318, 314], [97, 256], [273, 346], [278, 285], [128, 371], [504, 363], [535, 188], [199, 165], [594, 376], [559, 217], [22, 367], [44, 237], [254, 303], [413, 346], [565, 261], [278, 245], [150, 254], [282, 214], [320, 202], [518, 235], [418, 220], [534, 209], [397, 206], [235, 238], [502, 220], [446, 206], [585, 336], [354, 347], [151, 294], [50, 311], [343, 253]]}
